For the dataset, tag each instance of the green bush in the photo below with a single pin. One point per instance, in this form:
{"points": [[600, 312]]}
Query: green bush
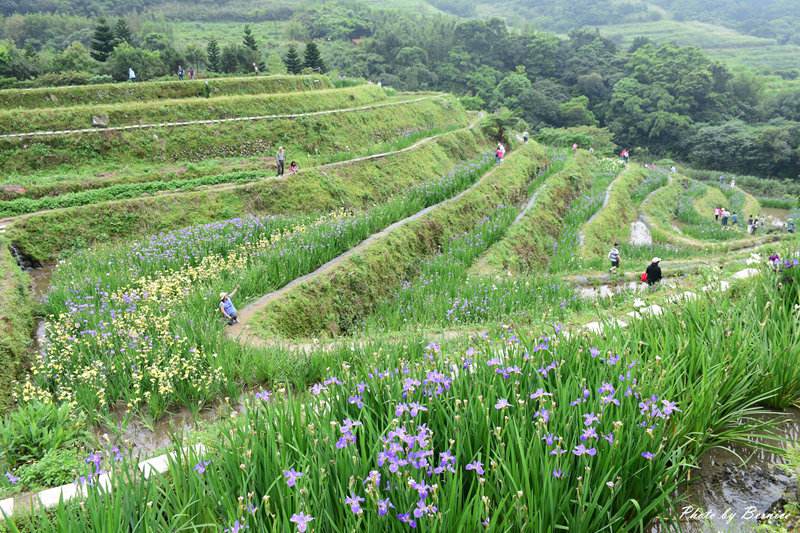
{"points": [[56, 467], [600, 139], [28, 433]]}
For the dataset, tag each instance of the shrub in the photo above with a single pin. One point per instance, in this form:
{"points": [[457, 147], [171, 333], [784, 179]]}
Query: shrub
{"points": [[56, 467], [35, 428]]}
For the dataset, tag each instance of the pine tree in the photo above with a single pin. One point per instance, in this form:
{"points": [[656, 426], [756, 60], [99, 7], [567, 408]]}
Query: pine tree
{"points": [[249, 40], [122, 33], [294, 65], [214, 58], [103, 41], [313, 59]]}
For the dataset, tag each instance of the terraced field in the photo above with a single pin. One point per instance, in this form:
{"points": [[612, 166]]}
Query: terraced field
{"points": [[426, 338]]}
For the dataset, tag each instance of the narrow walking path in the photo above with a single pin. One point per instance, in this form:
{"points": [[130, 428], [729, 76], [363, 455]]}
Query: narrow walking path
{"points": [[5, 222], [581, 236], [241, 331], [56, 133]]}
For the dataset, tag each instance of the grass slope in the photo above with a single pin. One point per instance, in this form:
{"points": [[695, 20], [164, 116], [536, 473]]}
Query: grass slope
{"points": [[528, 243], [326, 134], [337, 300], [44, 235], [154, 90], [16, 323], [187, 109]]}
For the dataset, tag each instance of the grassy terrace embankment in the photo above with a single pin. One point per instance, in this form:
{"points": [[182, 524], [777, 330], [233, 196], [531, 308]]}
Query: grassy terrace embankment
{"points": [[113, 93], [43, 236], [16, 323], [528, 244], [613, 222], [344, 130], [334, 301], [188, 109], [672, 216]]}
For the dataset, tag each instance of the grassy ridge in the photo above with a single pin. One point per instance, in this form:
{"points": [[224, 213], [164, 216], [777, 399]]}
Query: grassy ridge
{"points": [[613, 222], [112, 93], [339, 132], [336, 301], [16, 322], [528, 243], [44, 235], [188, 109]]}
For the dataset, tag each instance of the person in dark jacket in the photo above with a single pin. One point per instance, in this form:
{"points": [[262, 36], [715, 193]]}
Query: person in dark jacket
{"points": [[654, 271]]}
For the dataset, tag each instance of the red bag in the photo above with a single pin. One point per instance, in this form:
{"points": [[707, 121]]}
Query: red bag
{"points": [[644, 277]]}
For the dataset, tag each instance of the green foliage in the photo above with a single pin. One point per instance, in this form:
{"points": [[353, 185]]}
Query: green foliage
{"points": [[294, 64], [312, 58], [122, 32], [249, 40], [599, 139], [59, 466], [29, 432], [214, 56], [103, 41], [147, 64]]}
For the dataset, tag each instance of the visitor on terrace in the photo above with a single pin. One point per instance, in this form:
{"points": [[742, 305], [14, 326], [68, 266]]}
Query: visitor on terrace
{"points": [[717, 213], [654, 271], [180, 72], [525, 137], [227, 308], [614, 257], [734, 219], [725, 215], [293, 168], [280, 160]]}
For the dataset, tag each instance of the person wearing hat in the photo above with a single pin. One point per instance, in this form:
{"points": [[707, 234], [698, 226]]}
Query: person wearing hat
{"points": [[227, 308], [654, 271]]}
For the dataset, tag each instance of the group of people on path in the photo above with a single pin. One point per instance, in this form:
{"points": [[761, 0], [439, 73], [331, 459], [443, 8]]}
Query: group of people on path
{"points": [[280, 163], [723, 216], [652, 275], [182, 73]]}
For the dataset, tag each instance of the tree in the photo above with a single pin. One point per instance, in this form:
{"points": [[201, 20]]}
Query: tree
{"points": [[122, 33], [214, 57], [103, 41], [75, 58], [146, 63], [294, 65], [249, 40], [313, 59], [235, 58]]}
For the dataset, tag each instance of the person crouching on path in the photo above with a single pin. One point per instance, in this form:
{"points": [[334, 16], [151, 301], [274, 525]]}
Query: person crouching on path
{"points": [[227, 308], [280, 160], [293, 168], [654, 271], [614, 257]]}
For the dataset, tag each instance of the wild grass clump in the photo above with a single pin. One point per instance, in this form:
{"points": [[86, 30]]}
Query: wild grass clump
{"points": [[16, 323]]}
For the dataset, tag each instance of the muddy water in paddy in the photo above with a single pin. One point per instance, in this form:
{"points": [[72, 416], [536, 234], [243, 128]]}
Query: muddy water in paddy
{"points": [[725, 495]]}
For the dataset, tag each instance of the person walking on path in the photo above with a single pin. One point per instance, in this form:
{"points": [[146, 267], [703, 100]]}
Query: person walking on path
{"points": [[525, 137], [191, 73], [280, 160], [734, 219], [131, 74], [498, 154], [614, 257], [717, 213], [180, 72], [227, 308], [725, 216], [654, 271]]}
